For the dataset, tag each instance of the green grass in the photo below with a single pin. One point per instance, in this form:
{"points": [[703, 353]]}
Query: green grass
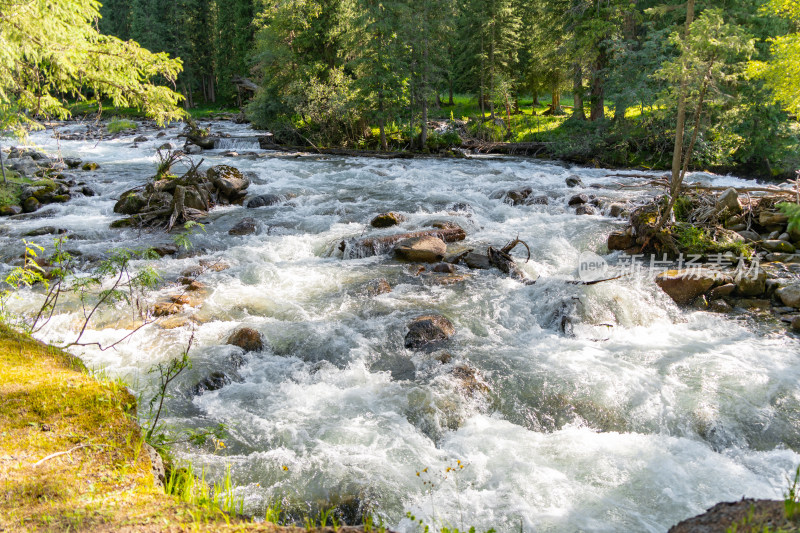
{"points": [[120, 124], [91, 107]]}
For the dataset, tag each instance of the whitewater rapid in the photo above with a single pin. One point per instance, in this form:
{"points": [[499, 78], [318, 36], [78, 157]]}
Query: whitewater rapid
{"points": [[649, 414]]}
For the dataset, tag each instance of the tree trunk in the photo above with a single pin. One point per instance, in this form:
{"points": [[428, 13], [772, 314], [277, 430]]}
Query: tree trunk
{"points": [[677, 151], [556, 103], [382, 122], [598, 110], [577, 93], [2, 166], [450, 92]]}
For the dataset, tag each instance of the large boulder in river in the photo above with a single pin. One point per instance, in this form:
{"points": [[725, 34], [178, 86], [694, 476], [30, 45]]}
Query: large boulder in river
{"points": [[426, 249], [385, 220], [428, 329], [229, 181], [684, 285], [247, 339], [130, 203]]}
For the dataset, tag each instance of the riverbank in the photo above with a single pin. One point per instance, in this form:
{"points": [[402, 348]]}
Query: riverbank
{"points": [[73, 457]]}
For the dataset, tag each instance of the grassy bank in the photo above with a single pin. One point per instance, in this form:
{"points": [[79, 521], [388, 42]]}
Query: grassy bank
{"points": [[72, 456]]}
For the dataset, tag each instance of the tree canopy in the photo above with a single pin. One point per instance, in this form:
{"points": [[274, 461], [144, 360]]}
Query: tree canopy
{"points": [[51, 50]]}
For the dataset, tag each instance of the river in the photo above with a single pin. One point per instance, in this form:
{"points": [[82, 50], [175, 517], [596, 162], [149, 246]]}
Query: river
{"points": [[647, 414]]}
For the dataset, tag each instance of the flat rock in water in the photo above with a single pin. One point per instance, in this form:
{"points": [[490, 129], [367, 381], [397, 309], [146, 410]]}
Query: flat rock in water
{"points": [[428, 329], [425, 249], [684, 285]]}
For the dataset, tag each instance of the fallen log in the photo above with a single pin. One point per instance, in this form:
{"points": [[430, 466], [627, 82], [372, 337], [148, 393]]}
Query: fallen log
{"points": [[370, 246], [522, 148]]}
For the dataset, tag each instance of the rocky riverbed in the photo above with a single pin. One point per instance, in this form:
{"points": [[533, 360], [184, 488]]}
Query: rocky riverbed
{"points": [[351, 327]]}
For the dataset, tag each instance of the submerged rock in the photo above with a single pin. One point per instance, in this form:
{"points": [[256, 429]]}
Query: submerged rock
{"points": [[264, 200], [90, 166], [428, 329], [574, 181], [620, 240], [246, 226], [426, 249], [212, 382], [378, 286], [247, 339]]}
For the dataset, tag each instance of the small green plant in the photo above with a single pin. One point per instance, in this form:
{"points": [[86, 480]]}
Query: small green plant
{"points": [[184, 239], [793, 212], [791, 499], [683, 208], [167, 373], [274, 513], [166, 160], [120, 124]]}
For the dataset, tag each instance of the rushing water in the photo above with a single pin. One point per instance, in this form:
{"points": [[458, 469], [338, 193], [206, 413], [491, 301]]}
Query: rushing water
{"points": [[646, 415]]}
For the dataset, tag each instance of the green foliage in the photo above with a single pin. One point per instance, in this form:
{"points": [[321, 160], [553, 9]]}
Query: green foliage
{"points": [[698, 241], [683, 208], [53, 48], [793, 212], [184, 239], [120, 124], [780, 72]]}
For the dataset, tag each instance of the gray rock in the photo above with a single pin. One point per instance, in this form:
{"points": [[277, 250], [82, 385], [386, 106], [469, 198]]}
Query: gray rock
{"points": [[720, 306], [790, 295], [796, 324], [785, 237], [729, 200], [749, 235], [166, 146], [615, 210], [585, 210], [88, 191], [574, 181], [778, 246], [578, 199], [140, 139], [753, 284], [246, 226], [130, 203], [428, 329], [214, 381], [159, 472], [264, 200], [427, 249]]}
